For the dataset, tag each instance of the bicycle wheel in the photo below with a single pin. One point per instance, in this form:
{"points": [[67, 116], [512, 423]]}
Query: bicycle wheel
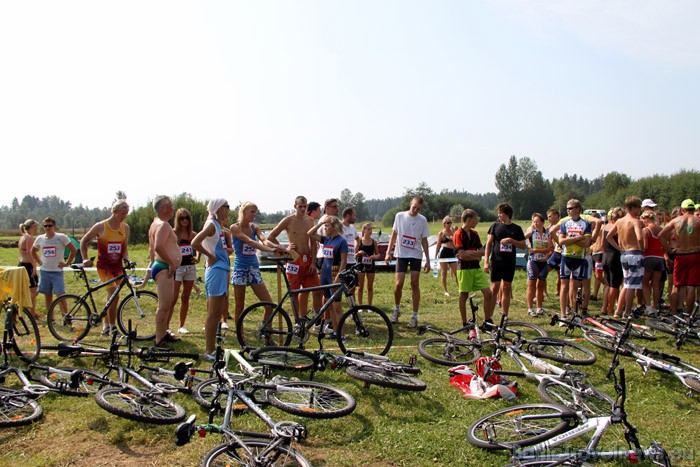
{"points": [[141, 311], [185, 385], [133, 404], [68, 318], [526, 330], [60, 381], [204, 392], [284, 357], [604, 341], [522, 425], [25, 335], [448, 352], [17, 409], [387, 379], [561, 351], [253, 330], [669, 326], [257, 453], [367, 328], [635, 331], [693, 382], [549, 463], [311, 399], [591, 401]]}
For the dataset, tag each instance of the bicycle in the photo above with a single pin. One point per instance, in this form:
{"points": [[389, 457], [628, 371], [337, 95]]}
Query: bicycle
{"points": [[245, 447], [651, 359], [362, 326], [450, 349], [70, 317], [21, 332], [531, 431], [685, 327]]}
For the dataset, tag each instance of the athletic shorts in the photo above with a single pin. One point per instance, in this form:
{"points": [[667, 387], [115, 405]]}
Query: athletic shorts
{"points": [[554, 261], [108, 274], [536, 270], [612, 269], [686, 269], [327, 279], [572, 268], [471, 280], [246, 275], [597, 262], [33, 279], [654, 264], [368, 268], [447, 253], [300, 274], [501, 271], [632, 269], [403, 264], [51, 282], [588, 268], [216, 281], [187, 272]]}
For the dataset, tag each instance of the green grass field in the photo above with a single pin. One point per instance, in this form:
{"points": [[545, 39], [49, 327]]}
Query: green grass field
{"points": [[388, 427]]}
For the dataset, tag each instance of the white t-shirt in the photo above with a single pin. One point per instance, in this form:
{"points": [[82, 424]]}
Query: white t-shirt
{"points": [[350, 234], [410, 230], [51, 250]]}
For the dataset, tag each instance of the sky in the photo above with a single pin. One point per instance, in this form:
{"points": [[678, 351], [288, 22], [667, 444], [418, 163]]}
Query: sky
{"points": [[266, 100]]}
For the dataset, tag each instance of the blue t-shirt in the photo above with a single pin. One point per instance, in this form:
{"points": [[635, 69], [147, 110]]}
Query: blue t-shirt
{"points": [[245, 254], [332, 248]]}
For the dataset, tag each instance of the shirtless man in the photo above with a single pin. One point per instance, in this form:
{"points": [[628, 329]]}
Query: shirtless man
{"points": [[686, 267], [112, 248], [302, 271], [164, 251], [631, 243]]}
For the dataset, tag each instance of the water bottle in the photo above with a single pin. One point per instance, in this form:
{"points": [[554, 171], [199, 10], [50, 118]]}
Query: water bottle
{"points": [[472, 334], [435, 272], [540, 365]]}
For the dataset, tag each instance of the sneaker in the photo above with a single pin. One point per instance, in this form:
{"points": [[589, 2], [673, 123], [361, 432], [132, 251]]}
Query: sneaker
{"points": [[163, 345], [562, 325], [170, 337], [541, 312], [447, 294], [413, 322], [531, 312], [328, 329], [183, 330], [105, 332], [209, 357], [224, 325], [568, 311], [317, 328], [488, 321], [395, 316]]}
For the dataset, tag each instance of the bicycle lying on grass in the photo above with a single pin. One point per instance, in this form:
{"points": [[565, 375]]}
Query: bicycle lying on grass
{"points": [[683, 326], [451, 349], [70, 317], [361, 326], [531, 431]]}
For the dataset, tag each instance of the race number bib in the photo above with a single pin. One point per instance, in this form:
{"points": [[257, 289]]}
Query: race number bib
{"points": [[408, 242], [292, 268], [186, 250], [367, 260], [49, 251], [598, 266], [351, 250], [328, 252], [506, 248], [248, 250], [114, 249], [222, 239]]}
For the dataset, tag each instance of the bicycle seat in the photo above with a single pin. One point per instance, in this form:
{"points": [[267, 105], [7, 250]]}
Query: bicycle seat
{"points": [[67, 350]]}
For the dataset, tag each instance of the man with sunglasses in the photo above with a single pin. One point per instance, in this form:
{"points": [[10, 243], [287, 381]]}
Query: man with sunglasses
{"points": [[574, 237], [112, 236], [51, 261]]}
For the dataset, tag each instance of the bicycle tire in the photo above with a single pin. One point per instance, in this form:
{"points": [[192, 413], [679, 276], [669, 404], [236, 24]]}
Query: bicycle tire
{"points": [[326, 401], [171, 354], [444, 351], [527, 330], [548, 463], [74, 324], [390, 365], [635, 332], [505, 428], [386, 379], [233, 454], [25, 337], [668, 326], [284, 357], [141, 312], [183, 385], [592, 402], [60, 382], [17, 409], [604, 341], [693, 382], [204, 392], [252, 335], [366, 328], [131, 403], [561, 351]]}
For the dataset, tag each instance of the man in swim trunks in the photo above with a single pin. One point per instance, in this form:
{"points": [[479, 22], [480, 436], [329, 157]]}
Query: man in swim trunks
{"points": [[112, 237], [166, 257], [301, 272], [631, 243], [686, 266]]}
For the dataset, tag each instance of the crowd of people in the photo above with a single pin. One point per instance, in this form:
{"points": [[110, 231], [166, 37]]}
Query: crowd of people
{"points": [[630, 255]]}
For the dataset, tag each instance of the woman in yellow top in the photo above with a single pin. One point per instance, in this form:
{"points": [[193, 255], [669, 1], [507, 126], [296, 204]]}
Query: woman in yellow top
{"points": [[29, 229]]}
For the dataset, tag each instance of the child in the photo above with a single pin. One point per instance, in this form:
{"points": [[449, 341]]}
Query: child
{"points": [[367, 253]]}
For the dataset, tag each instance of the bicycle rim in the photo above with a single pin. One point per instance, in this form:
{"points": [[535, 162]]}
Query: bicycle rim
{"points": [[311, 399], [17, 409], [562, 351], [387, 379], [60, 381], [258, 327], [141, 311], [448, 352], [258, 452], [68, 318], [134, 405], [25, 336], [366, 328], [284, 357], [583, 397], [526, 330]]}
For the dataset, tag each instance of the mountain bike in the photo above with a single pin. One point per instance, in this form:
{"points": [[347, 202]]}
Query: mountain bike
{"points": [[70, 317], [361, 326], [245, 447], [21, 332], [452, 349], [531, 432], [685, 327]]}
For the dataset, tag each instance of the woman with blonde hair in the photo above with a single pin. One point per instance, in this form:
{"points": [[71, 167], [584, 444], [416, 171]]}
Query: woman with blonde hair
{"points": [[445, 249], [28, 230]]}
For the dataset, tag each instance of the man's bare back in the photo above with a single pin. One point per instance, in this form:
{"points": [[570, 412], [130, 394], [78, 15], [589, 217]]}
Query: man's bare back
{"points": [[687, 229], [629, 233]]}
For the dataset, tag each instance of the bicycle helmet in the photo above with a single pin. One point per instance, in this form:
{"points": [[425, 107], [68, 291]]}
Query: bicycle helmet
{"points": [[481, 365]]}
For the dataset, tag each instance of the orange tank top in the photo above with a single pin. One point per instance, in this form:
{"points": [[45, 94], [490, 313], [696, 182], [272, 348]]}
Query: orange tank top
{"points": [[110, 248]]}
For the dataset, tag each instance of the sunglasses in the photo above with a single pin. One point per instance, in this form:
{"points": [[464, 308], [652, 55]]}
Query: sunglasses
{"points": [[448, 223], [46, 226], [569, 208], [226, 206], [185, 218]]}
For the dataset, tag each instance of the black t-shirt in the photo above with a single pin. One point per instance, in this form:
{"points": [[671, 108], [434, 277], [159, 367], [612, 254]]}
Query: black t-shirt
{"points": [[462, 241], [505, 253]]}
